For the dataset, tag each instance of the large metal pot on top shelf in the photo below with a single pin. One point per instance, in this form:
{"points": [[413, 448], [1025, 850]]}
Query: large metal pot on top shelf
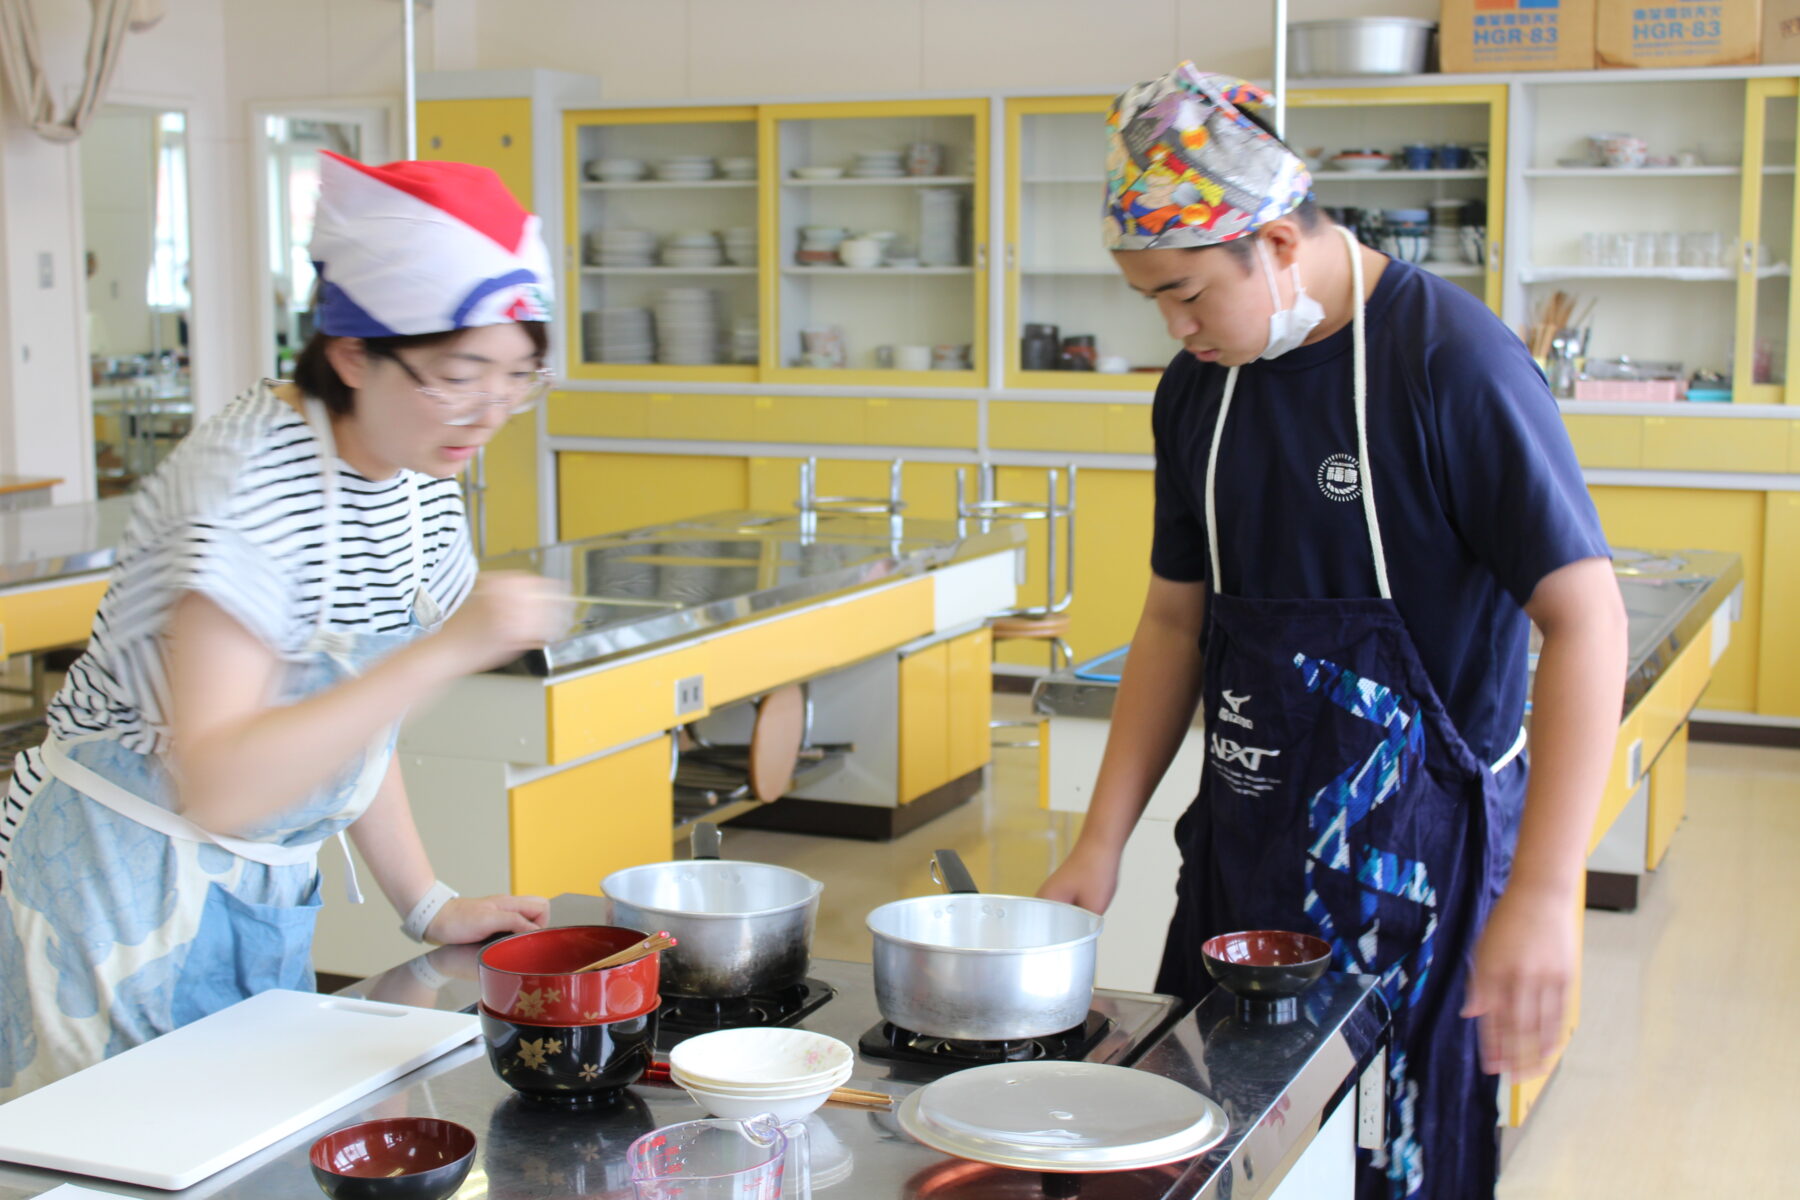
{"points": [[982, 967], [744, 928]]}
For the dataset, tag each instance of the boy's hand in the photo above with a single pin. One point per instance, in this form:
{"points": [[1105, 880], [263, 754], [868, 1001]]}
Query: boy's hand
{"points": [[1524, 971]]}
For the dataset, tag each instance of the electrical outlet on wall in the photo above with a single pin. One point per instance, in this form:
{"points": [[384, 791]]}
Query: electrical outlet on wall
{"points": [[690, 695]]}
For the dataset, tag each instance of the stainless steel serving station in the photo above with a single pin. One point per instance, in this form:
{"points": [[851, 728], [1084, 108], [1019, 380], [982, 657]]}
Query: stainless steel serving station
{"points": [[1287, 1089]]}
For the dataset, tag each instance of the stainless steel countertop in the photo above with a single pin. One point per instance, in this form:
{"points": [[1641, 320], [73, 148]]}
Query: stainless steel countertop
{"points": [[670, 581], [1274, 1084], [42, 545], [1670, 598]]}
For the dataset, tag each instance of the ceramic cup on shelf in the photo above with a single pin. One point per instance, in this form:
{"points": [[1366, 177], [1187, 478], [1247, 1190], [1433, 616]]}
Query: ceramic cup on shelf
{"points": [[925, 158], [912, 358], [884, 357], [1452, 157], [1113, 364], [859, 252], [1416, 156], [949, 357]]}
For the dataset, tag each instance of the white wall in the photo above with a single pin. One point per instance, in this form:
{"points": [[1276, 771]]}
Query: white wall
{"points": [[686, 49]]}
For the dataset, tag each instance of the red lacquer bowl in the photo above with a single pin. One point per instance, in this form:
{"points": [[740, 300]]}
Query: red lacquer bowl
{"points": [[528, 978], [402, 1158]]}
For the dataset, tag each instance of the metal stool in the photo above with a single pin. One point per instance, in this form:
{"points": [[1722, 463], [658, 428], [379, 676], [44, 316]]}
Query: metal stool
{"points": [[810, 504], [1047, 622]]}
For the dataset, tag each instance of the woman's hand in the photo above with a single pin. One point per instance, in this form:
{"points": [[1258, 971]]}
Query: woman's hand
{"points": [[507, 614], [477, 918], [1088, 877]]}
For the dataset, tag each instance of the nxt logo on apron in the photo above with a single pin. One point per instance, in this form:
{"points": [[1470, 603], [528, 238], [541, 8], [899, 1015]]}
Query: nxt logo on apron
{"points": [[1239, 767]]}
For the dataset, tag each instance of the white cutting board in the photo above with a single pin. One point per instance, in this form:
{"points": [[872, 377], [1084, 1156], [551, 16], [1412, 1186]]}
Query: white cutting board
{"points": [[174, 1110]]}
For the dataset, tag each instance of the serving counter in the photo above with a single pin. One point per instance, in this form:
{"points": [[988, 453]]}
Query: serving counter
{"points": [[1291, 1093]]}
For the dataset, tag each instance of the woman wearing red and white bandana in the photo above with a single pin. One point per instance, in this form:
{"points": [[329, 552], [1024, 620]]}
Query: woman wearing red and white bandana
{"points": [[293, 579]]}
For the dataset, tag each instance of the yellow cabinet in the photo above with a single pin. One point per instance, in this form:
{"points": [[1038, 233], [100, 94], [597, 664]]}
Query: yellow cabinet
{"points": [[489, 133], [568, 831], [1600, 441], [622, 259], [608, 493], [935, 297], [924, 721], [1778, 680], [971, 704], [1668, 797], [45, 618], [1665, 518], [1713, 444]]}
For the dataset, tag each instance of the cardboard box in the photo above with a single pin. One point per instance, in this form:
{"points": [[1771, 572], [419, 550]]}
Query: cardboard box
{"points": [[1515, 35], [1678, 33], [1781, 31]]}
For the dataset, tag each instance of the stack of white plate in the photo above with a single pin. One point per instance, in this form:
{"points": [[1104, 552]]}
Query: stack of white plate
{"points": [[940, 227], [687, 326], [746, 342], [686, 168], [621, 248], [691, 250], [740, 247], [738, 168], [616, 170], [618, 335], [879, 164], [737, 1073]]}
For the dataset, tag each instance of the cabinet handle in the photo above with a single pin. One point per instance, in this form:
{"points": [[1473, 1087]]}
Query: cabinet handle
{"points": [[1011, 256], [981, 256], [506, 140]]}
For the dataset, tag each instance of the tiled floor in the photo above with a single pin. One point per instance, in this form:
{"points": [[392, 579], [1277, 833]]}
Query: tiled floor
{"points": [[1684, 1076]]}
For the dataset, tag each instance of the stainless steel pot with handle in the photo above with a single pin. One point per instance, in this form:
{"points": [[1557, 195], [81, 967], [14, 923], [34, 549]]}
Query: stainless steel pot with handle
{"points": [[982, 967], [744, 928]]}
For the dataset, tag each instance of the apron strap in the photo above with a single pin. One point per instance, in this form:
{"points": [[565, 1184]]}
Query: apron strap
{"points": [[1360, 392], [1512, 752], [108, 794]]}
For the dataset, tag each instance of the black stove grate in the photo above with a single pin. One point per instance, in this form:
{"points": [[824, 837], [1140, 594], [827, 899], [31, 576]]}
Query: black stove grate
{"points": [[684, 1016], [888, 1041]]}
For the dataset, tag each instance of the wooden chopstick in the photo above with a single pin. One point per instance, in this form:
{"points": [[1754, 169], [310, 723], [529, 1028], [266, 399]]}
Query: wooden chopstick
{"points": [[643, 949]]}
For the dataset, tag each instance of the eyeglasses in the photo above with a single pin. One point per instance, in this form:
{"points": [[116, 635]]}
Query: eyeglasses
{"points": [[457, 407]]}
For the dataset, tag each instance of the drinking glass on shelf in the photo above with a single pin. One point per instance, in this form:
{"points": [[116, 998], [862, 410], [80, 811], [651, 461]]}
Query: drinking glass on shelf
{"points": [[1644, 249], [1620, 250], [1701, 249], [1591, 249], [1668, 249]]}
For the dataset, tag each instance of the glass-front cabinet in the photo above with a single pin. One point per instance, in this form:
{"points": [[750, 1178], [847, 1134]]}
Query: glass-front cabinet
{"points": [[1769, 228], [663, 226], [876, 248]]}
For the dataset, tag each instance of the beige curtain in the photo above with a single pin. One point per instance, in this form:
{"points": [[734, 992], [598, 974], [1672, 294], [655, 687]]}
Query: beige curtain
{"points": [[23, 59]]}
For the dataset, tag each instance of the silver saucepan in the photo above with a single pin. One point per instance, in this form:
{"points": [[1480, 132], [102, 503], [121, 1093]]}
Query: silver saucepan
{"points": [[982, 967], [744, 928]]}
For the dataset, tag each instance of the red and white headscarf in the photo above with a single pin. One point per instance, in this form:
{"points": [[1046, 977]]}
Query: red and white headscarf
{"points": [[423, 247]]}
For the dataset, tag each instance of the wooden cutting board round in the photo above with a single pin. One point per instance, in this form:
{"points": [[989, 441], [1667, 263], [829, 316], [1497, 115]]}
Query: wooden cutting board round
{"points": [[775, 741]]}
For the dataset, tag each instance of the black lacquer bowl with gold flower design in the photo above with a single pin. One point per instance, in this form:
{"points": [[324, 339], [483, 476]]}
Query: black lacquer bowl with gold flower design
{"points": [[570, 1065]]}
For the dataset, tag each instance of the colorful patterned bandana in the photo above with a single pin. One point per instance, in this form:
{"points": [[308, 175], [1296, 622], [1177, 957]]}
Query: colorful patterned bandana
{"points": [[423, 247], [1186, 167]]}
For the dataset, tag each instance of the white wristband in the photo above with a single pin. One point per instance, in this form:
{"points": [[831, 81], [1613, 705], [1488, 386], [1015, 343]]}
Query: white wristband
{"points": [[429, 905]]}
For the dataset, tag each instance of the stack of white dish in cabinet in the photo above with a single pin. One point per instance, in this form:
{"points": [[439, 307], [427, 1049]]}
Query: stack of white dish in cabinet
{"points": [[687, 326], [618, 335]]}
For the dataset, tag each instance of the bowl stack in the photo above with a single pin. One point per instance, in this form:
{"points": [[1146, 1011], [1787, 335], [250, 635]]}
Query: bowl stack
{"points": [[1408, 233], [561, 1035], [692, 250], [879, 164], [687, 327], [686, 168], [738, 1073], [618, 335], [746, 340], [621, 248], [740, 247], [738, 168], [616, 170], [819, 245]]}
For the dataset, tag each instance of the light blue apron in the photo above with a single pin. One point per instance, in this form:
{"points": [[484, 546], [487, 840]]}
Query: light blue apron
{"points": [[121, 920]]}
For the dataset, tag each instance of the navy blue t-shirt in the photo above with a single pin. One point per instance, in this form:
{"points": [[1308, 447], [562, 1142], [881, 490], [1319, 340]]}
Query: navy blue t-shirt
{"points": [[1476, 485]]}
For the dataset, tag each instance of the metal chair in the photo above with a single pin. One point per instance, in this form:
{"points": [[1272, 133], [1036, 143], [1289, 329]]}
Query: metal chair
{"points": [[1047, 622]]}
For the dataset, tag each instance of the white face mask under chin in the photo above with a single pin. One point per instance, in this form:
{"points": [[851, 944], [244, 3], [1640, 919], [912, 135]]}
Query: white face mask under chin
{"points": [[1288, 327]]}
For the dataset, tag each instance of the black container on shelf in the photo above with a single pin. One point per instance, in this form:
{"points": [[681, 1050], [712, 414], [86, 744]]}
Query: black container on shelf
{"points": [[1041, 348], [1079, 352]]}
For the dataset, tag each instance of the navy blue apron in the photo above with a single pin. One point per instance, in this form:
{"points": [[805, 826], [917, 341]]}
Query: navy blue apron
{"points": [[1339, 798]]}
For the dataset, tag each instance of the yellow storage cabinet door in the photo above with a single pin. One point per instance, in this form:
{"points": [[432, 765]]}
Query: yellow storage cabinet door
{"points": [[971, 703], [607, 493], [924, 721], [570, 830], [1666, 518], [1778, 680], [488, 133], [47, 617]]}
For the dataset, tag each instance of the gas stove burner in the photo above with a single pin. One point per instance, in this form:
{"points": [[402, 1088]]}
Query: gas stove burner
{"points": [[889, 1041], [684, 1016]]}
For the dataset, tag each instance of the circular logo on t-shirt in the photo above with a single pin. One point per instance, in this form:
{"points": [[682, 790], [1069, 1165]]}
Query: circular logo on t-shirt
{"points": [[1340, 477]]}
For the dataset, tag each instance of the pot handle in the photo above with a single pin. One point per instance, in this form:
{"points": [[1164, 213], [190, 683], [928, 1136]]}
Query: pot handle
{"points": [[707, 841], [948, 871]]}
